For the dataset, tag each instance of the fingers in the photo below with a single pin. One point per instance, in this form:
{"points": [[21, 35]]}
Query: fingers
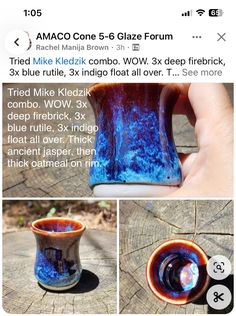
{"points": [[210, 171], [209, 105], [183, 105], [183, 87], [209, 100], [214, 114], [187, 161], [203, 100]]}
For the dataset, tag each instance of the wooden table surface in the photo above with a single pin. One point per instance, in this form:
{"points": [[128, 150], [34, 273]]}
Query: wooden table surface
{"points": [[146, 224], [96, 292]]}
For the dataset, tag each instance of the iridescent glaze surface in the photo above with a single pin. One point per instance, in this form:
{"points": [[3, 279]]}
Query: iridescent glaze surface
{"points": [[176, 271], [134, 143], [57, 263]]}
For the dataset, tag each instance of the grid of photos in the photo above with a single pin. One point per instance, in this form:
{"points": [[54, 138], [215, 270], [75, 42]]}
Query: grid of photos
{"points": [[117, 198]]}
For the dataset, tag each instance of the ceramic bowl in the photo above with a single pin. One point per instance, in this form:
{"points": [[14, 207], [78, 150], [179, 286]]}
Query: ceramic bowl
{"points": [[176, 271]]}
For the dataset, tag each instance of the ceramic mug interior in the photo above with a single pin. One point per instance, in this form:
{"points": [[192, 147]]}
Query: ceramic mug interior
{"points": [[57, 225], [176, 271]]}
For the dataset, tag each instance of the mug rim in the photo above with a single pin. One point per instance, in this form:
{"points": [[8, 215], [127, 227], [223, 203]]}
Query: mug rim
{"points": [[39, 231], [151, 283], [96, 85]]}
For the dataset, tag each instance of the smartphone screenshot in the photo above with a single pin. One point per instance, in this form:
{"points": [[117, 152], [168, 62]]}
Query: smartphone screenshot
{"points": [[117, 178]]}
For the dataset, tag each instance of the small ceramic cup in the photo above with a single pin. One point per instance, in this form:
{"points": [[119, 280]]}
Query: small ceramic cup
{"points": [[176, 271], [135, 153], [57, 265]]}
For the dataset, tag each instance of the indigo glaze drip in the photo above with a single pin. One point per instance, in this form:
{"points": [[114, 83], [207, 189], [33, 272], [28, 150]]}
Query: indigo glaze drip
{"points": [[57, 264], [176, 271], [134, 143], [53, 269], [179, 273]]}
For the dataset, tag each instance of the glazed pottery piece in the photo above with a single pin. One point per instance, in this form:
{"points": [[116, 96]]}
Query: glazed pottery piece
{"points": [[134, 143], [57, 265], [176, 271]]}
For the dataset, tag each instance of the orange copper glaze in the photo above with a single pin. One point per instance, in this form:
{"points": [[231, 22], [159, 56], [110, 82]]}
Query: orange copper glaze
{"points": [[38, 227], [203, 259], [102, 85]]}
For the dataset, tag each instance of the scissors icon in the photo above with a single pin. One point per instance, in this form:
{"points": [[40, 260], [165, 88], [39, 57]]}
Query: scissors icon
{"points": [[218, 297]]}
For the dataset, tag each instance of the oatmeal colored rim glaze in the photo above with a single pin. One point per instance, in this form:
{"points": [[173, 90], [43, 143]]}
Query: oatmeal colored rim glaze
{"points": [[38, 227], [159, 290], [93, 86]]}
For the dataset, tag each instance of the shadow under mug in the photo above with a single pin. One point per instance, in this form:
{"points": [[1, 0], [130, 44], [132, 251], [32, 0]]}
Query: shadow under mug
{"points": [[134, 142], [57, 264], [176, 271]]}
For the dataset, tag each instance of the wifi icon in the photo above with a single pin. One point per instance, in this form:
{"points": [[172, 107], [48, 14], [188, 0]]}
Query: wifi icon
{"points": [[200, 11]]}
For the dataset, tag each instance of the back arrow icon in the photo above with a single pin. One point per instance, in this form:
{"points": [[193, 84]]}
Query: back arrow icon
{"points": [[16, 42]]}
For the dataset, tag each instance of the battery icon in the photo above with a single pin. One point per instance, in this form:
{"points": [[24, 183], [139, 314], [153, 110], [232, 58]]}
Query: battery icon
{"points": [[216, 12]]}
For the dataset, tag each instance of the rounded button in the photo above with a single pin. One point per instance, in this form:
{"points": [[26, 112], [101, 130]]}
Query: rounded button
{"points": [[17, 42], [218, 297], [219, 267]]}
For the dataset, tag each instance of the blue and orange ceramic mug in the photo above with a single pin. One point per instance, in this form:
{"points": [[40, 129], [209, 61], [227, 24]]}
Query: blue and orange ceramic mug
{"points": [[176, 271], [134, 142], [57, 265]]}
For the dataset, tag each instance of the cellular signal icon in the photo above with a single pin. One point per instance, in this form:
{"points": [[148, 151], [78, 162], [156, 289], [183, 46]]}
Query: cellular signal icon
{"points": [[200, 12], [188, 13]]}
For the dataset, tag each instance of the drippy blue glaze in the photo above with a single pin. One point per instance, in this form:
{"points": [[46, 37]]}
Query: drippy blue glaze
{"points": [[188, 276], [57, 271], [69, 228], [134, 143], [57, 227], [178, 271]]}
